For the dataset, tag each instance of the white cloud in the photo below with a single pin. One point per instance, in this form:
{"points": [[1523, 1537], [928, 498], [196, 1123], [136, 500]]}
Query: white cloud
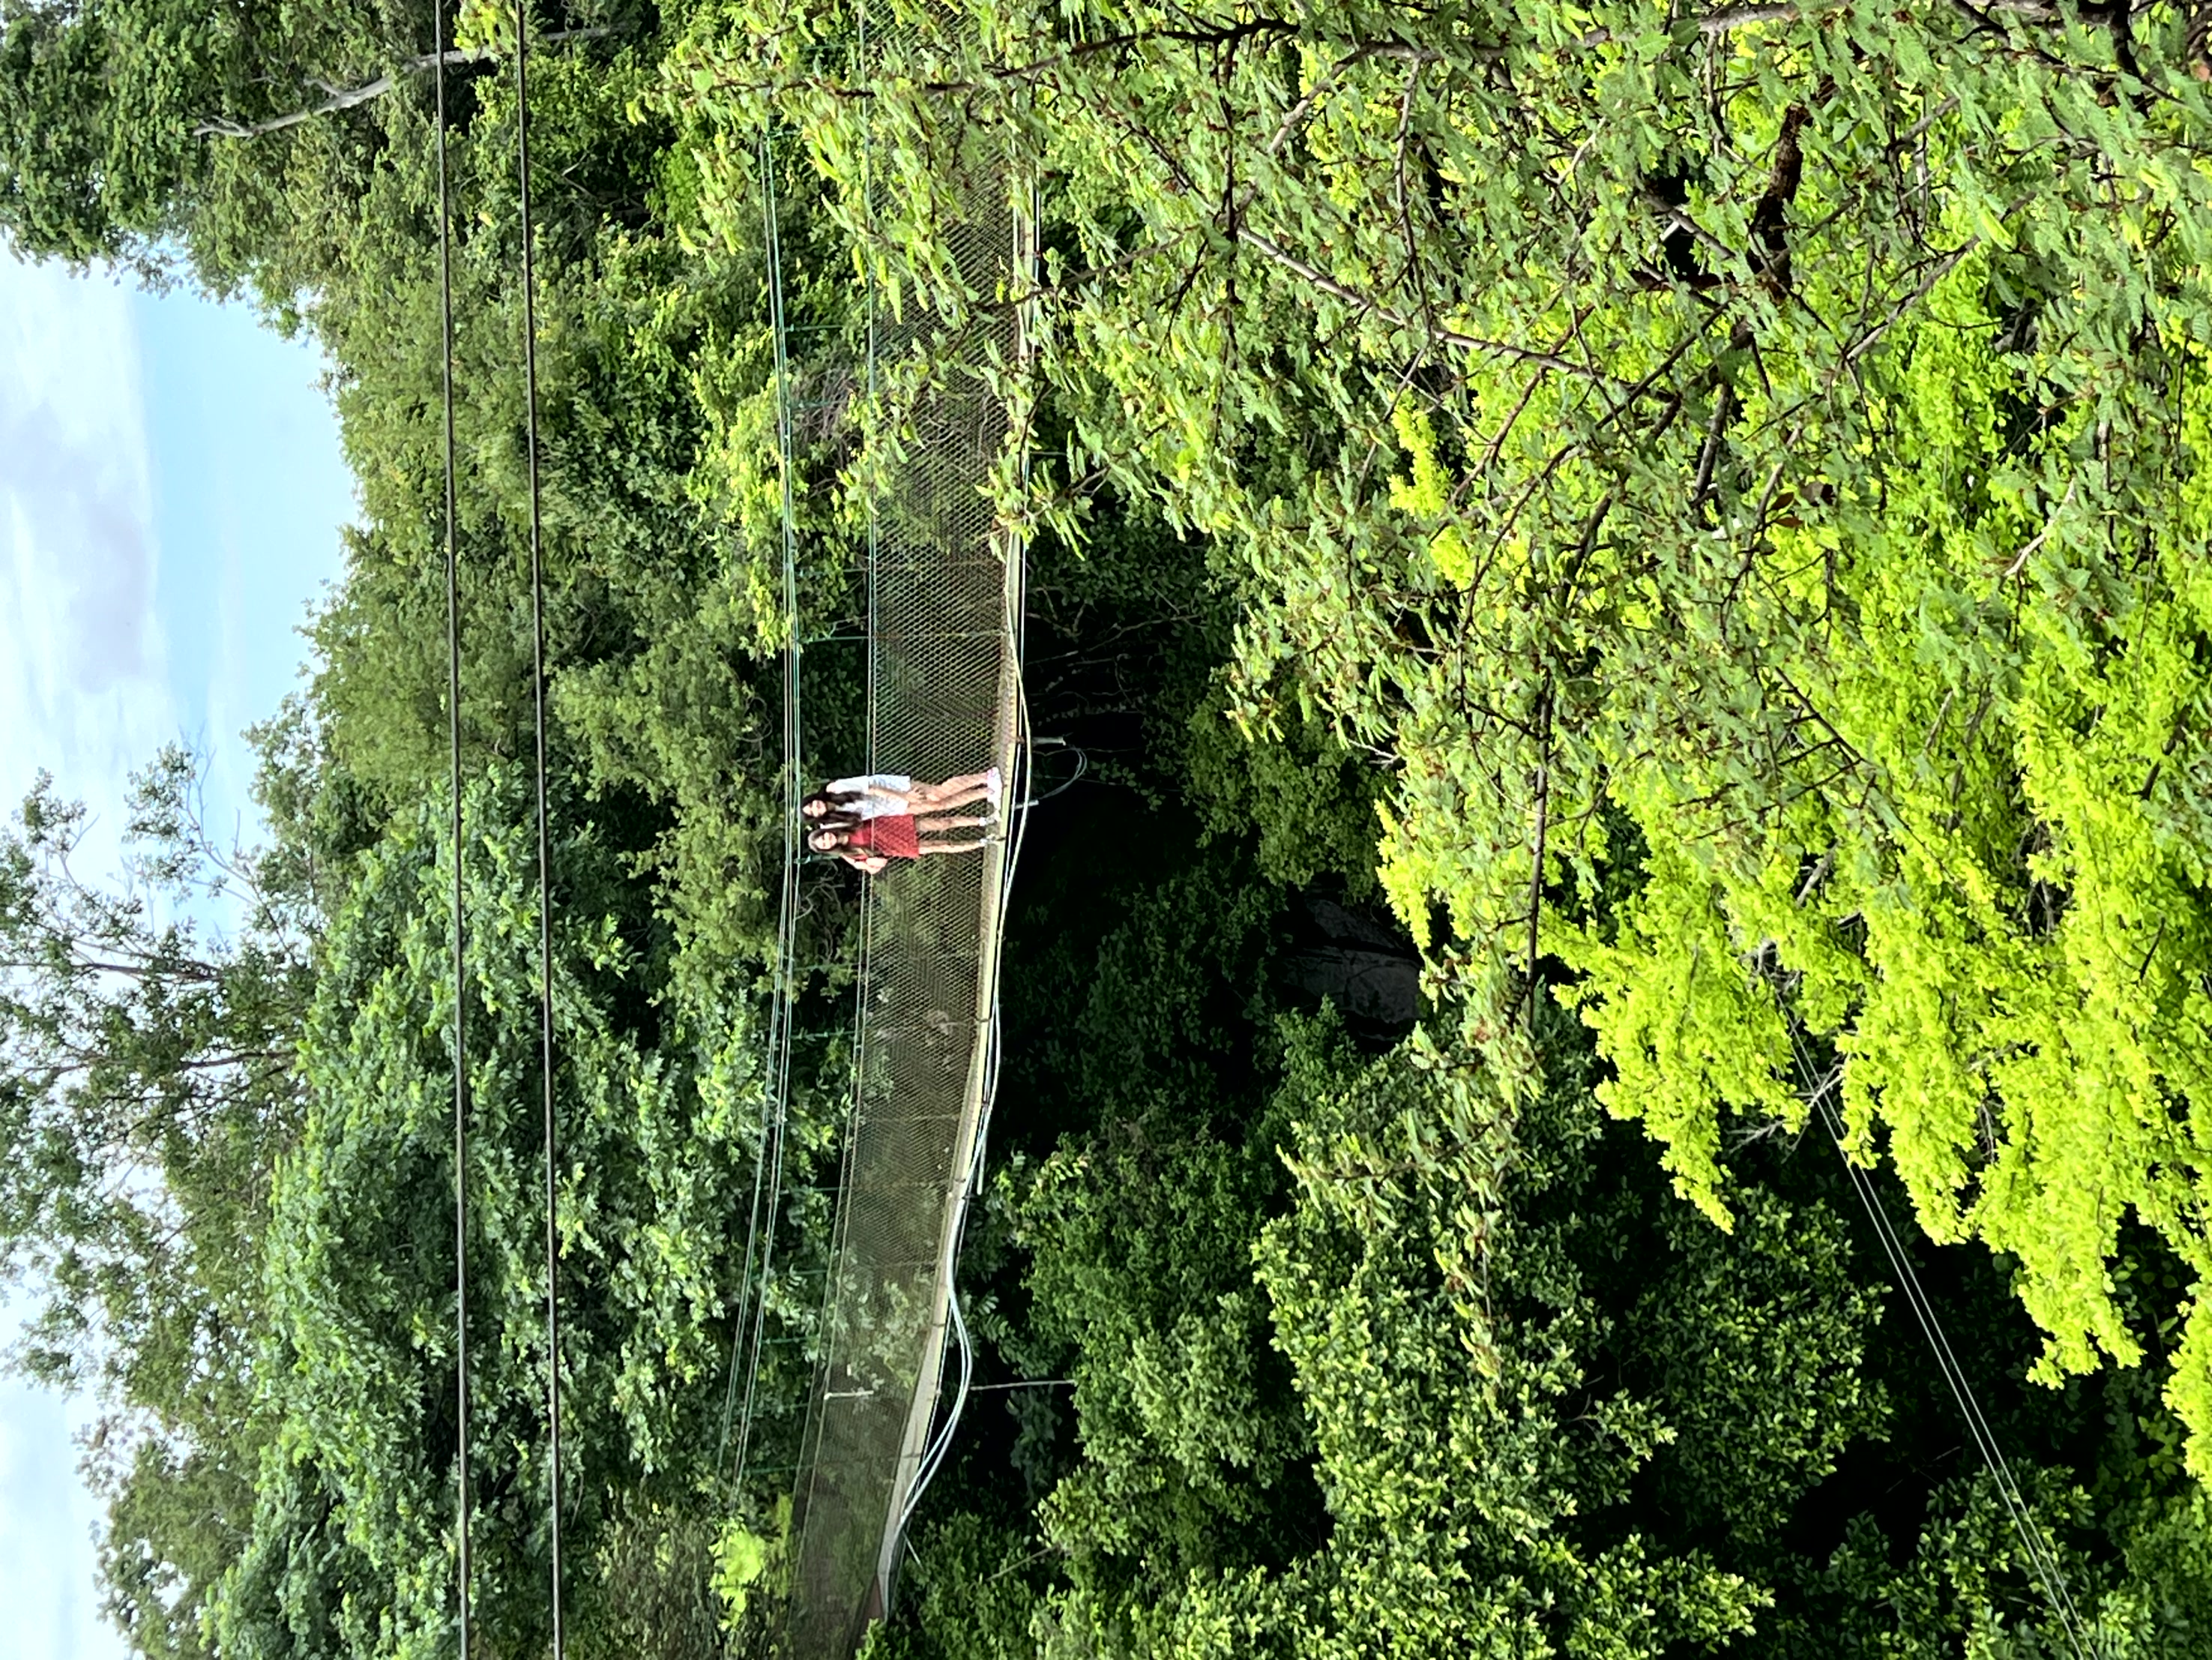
{"points": [[83, 687]]}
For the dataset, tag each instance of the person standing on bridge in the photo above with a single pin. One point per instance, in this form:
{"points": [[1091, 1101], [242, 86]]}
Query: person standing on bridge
{"points": [[878, 794], [872, 819], [869, 844]]}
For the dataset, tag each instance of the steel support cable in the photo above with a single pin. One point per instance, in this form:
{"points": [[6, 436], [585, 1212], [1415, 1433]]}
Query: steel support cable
{"points": [[460, 968], [809, 1466], [872, 386], [742, 1326], [2040, 1558], [545, 847], [767, 1167]]}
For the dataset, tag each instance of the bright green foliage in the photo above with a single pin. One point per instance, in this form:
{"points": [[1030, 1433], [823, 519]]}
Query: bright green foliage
{"points": [[2002, 937], [483, 26], [741, 1556], [1611, 1430], [1759, 455], [1780, 437]]}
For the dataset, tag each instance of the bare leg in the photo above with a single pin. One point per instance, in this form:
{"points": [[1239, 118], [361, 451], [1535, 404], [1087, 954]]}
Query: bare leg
{"points": [[940, 822], [943, 798], [955, 792], [928, 847], [947, 799]]}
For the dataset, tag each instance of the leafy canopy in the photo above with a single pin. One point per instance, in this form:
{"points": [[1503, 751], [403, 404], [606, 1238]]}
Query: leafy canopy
{"points": [[1755, 459]]}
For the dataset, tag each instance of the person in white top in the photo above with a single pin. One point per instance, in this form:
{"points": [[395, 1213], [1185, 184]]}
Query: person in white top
{"points": [[881, 795]]}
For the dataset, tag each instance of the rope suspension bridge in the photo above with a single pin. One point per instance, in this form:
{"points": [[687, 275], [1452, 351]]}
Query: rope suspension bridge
{"points": [[944, 583], [944, 576], [944, 603]]}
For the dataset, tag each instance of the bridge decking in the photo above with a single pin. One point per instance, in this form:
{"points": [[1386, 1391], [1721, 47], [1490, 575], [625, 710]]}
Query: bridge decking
{"points": [[945, 698]]}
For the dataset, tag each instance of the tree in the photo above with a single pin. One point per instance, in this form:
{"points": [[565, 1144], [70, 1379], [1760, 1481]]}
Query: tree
{"points": [[148, 1086], [147, 1074], [100, 104], [1532, 1405], [1754, 457], [351, 1548], [251, 1481], [172, 138]]}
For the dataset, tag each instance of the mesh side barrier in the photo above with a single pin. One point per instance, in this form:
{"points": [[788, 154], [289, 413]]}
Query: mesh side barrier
{"points": [[943, 701]]}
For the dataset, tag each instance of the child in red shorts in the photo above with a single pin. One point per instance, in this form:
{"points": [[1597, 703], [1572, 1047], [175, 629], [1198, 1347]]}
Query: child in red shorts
{"points": [[869, 844]]}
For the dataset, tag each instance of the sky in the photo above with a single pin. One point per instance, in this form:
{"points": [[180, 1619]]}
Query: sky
{"points": [[171, 496]]}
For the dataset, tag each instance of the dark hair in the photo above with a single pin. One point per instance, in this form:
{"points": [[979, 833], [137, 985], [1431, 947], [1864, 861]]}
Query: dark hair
{"points": [[835, 814], [844, 852]]}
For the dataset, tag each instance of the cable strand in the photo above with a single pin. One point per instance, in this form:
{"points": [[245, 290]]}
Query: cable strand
{"points": [[544, 848], [2040, 1558], [768, 1169], [460, 966]]}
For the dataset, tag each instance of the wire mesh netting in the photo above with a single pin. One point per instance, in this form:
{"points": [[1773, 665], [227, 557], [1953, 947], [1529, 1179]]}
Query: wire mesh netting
{"points": [[944, 696]]}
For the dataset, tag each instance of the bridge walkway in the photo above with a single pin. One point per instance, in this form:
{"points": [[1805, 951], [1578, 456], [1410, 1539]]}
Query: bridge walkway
{"points": [[945, 583]]}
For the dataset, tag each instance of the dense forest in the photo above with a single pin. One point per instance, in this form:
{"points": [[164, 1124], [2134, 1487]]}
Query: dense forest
{"points": [[1629, 583]]}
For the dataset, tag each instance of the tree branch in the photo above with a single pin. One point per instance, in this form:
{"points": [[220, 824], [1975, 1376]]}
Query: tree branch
{"points": [[221, 127], [1788, 11], [1327, 284]]}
